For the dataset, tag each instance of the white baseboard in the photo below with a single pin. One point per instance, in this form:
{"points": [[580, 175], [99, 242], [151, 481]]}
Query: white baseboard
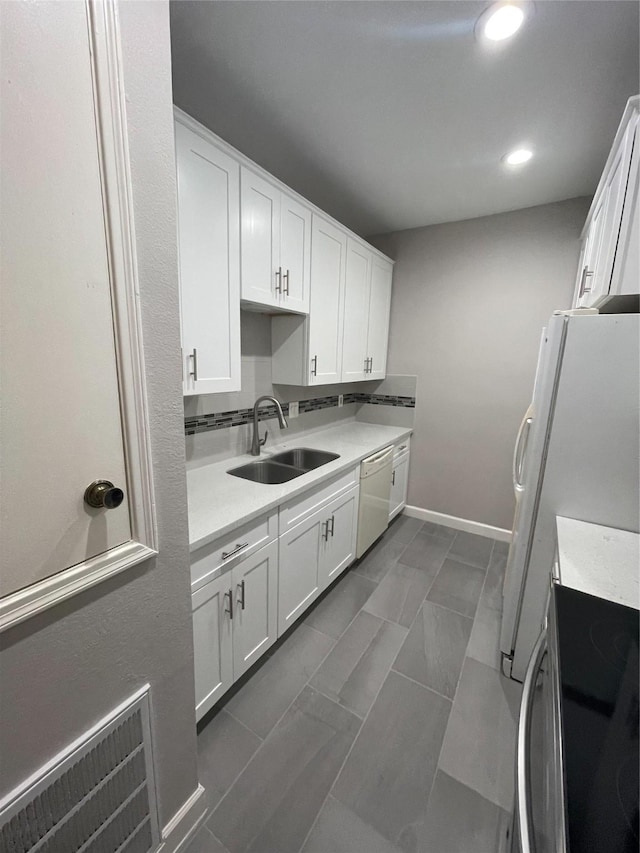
{"points": [[458, 523], [177, 834]]}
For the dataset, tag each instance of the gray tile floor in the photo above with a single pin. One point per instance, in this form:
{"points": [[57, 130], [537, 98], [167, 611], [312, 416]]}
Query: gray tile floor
{"points": [[381, 723]]}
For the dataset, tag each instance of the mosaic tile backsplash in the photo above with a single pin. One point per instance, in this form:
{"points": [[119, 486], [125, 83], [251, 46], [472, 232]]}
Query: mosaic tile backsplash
{"points": [[237, 417]]}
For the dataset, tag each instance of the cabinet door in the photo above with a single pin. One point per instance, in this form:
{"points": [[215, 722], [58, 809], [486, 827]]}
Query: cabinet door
{"points": [[399, 482], [299, 581], [339, 532], [255, 609], [259, 239], [328, 253], [208, 222], [212, 645], [356, 312], [295, 254], [379, 308], [625, 277]]}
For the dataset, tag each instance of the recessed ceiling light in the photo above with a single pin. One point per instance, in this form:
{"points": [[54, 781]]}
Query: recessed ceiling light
{"points": [[501, 21], [518, 157]]}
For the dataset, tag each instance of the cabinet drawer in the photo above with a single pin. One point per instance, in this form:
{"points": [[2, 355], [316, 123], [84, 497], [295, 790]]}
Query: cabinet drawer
{"points": [[229, 550], [401, 449], [300, 508]]}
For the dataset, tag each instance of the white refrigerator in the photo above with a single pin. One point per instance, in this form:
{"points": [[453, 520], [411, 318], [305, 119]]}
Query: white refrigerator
{"points": [[577, 454]]}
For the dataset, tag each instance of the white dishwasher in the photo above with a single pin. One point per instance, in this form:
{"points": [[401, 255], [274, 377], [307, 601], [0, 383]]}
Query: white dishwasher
{"points": [[375, 489]]}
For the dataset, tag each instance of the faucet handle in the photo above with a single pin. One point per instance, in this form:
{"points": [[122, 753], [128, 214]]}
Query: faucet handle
{"points": [[263, 441]]}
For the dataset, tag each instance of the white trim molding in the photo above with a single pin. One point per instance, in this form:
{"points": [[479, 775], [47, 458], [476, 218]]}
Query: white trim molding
{"points": [[459, 523], [180, 830], [111, 129]]}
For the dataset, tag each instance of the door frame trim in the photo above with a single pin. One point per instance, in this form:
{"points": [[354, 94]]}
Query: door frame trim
{"points": [[111, 130]]}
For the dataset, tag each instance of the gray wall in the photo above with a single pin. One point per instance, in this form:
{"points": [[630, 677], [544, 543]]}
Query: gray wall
{"points": [[469, 303], [63, 670]]}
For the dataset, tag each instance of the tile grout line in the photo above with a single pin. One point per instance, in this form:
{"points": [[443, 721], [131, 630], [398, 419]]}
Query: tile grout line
{"points": [[275, 725], [364, 720], [424, 686], [455, 692]]}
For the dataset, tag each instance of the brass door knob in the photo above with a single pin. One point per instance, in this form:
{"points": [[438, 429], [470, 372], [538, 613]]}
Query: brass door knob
{"points": [[102, 494]]}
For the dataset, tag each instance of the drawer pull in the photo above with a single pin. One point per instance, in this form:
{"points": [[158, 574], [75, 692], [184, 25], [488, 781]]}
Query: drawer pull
{"points": [[242, 599], [227, 554], [333, 522]]}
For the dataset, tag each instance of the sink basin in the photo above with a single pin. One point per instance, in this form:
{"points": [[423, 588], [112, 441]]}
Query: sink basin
{"points": [[304, 457], [266, 472], [284, 466]]}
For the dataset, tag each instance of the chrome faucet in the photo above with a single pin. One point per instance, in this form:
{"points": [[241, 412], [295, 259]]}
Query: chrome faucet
{"points": [[256, 441]]}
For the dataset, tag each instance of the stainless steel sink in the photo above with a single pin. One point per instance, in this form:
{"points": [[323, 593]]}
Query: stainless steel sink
{"points": [[285, 466], [267, 472], [304, 457]]}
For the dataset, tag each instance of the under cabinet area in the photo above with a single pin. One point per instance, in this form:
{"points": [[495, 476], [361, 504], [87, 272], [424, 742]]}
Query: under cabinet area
{"points": [[610, 249]]}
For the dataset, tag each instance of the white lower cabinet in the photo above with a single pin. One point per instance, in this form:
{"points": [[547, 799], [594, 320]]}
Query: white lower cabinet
{"points": [[314, 553], [234, 623], [399, 481], [212, 643], [242, 610]]}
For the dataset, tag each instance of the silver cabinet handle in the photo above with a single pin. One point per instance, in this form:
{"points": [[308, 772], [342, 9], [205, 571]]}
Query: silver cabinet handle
{"points": [[286, 283], [229, 610], [333, 524], [242, 599], [523, 800], [314, 366], [371, 364], [586, 273], [366, 365], [325, 530], [227, 554], [278, 286], [393, 478], [194, 358]]}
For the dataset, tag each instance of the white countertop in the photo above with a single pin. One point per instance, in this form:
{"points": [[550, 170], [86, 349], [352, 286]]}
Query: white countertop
{"points": [[219, 502], [601, 561]]}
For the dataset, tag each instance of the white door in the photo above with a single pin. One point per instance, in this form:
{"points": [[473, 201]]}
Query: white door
{"points": [[212, 643], [338, 549], [379, 310], [328, 255], [295, 254], [61, 422], [299, 581], [259, 239], [356, 312], [208, 217], [399, 482], [255, 609]]}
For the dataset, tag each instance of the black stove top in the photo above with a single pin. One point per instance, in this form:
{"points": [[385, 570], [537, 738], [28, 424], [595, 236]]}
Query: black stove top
{"points": [[598, 652]]}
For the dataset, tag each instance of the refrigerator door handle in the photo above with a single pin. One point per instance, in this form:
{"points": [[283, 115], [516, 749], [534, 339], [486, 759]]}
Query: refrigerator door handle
{"points": [[519, 451], [523, 795]]}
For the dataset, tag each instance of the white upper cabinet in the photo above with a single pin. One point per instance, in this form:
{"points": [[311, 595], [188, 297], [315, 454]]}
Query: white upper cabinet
{"points": [[609, 262], [379, 309], [326, 318], [275, 246], [366, 314], [208, 225], [356, 312]]}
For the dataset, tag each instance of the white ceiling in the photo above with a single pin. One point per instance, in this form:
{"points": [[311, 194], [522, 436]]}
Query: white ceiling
{"points": [[391, 115]]}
